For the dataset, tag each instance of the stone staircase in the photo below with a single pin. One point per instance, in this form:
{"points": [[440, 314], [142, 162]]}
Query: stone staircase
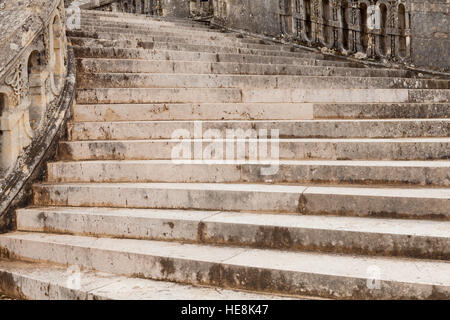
{"points": [[359, 206]]}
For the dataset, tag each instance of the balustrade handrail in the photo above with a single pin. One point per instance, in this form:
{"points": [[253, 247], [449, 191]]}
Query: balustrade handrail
{"points": [[32, 67], [36, 91]]}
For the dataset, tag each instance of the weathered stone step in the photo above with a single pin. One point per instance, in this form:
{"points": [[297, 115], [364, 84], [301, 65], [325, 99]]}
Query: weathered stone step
{"points": [[258, 111], [234, 95], [289, 149], [160, 43], [318, 200], [194, 48], [168, 43], [139, 130], [150, 25], [158, 95], [210, 44], [44, 281], [287, 171], [346, 95], [190, 111], [171, 80], [368, 236], [191, 47], [331, 276], [146, 20], [90, 65], [143, 54], [382, 111], [142, 32]]}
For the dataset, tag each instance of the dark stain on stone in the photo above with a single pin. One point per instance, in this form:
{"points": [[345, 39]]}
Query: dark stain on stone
{"points": [[201, 232], [5, 253], [167, 266], [302, 204], [64, 151], [215, 275], [42, 216], [9, 287], [199, 277], [273, 237], [145, 45]]}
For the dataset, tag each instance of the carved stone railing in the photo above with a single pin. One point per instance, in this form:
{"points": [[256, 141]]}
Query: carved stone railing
{"points": [[162, 8], [368, 28], [376, 28], [201, 8], [36, 91], [152, 7]]}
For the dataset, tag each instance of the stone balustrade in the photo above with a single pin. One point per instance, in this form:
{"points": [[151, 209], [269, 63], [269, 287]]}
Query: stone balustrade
{"points": [[152, 7], [32, 71], [376, 28], [202, 8], [372, 28], [35, 89]]}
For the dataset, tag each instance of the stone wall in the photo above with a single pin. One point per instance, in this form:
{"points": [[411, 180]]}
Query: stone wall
{"points": [[409, 31], [430, 25]]}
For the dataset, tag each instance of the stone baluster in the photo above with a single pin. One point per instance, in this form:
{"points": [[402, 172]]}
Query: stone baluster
{"points": [[33, 79]]}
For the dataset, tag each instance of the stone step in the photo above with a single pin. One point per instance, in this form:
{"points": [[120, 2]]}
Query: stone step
{"points": [[392, 202], [429, 173], [157, 46], [158, 95], [175, 37], [147, 20], [205, 44], [144, 54], [234, 95], [171, 80], [368, 236], [288, 149], [44, 281], [258, 111], [90, 65], [150, 25], [140, 130], [297, 273], [163, 43], [190, 111], [382, 111], [166, 40], [142, 32], [346, 95]]}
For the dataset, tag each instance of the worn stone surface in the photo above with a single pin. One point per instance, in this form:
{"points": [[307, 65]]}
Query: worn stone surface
{"points": [[304, 199], [430, 25], [372, 236], [360, 196], [41, 281], [289, 149], [331, 276], [290, 171]]}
